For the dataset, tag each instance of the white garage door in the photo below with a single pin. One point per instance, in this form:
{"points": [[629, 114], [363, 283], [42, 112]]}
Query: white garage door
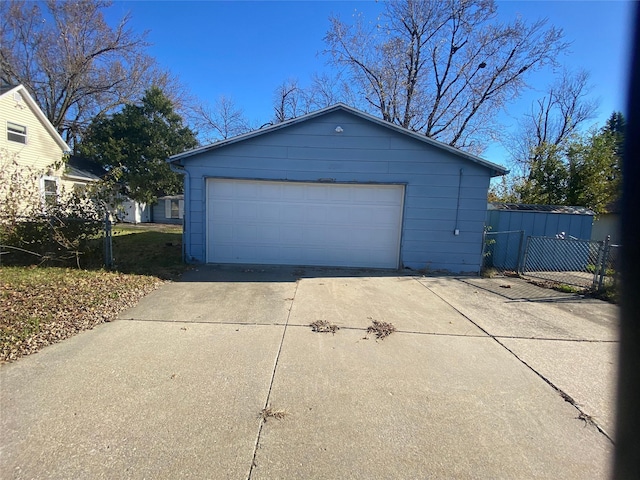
{"points": [[292, 223]]}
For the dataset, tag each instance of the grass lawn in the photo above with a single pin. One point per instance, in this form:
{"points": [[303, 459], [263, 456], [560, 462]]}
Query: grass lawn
{"points": [[148, 249], [44, 305]]}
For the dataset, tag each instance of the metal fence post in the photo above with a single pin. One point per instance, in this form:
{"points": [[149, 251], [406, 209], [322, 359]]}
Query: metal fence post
{"points": [[108, 247], [484, 248], [523, 263], [603, 262], [596, 272], [520, 245]]}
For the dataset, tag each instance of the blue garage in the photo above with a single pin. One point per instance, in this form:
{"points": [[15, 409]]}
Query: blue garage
{"points": [[336, 187]]}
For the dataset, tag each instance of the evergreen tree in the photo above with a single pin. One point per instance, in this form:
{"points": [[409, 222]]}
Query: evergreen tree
{"points": [[135, 143]]}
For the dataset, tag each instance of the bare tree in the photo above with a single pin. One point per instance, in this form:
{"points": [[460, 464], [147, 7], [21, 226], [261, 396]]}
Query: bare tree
{"points": [[222, 120], [292, 100], [443, 68], [326, 90], [289, 101], [73, 63], [553, 118], [539, 146]]}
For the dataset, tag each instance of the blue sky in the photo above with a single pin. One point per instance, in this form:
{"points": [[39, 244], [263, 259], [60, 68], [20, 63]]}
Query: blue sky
{"points": [[244, 50]]}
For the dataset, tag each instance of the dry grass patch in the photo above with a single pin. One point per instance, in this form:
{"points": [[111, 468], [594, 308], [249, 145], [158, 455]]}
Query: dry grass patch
{"points": [[323, 326], [381, 329], [269, 412]]}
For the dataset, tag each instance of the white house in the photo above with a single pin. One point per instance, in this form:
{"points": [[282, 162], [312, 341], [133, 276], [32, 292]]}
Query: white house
{"points": [[29, 140]]}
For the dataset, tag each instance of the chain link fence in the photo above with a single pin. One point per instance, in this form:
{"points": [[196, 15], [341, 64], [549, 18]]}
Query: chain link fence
{"points": [[560, 260], [503, 250]]}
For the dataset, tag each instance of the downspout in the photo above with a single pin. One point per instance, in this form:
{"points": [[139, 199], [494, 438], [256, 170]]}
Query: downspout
{"points": [[187, 181]]}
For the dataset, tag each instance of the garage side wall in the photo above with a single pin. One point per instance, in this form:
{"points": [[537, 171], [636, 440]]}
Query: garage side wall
{"points": [[444, 192]]}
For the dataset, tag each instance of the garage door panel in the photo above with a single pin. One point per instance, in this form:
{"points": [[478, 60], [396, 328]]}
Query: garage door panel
{"points": [[386, 216], [293, 213], [268, 212], [340, 195], [270, 192], [269, 234], [222, 208], [222, 233], [222, 190], [317, 193], [294, 191], [245, 211], [291, 235], [316, 214], [338, 215], [245, 191], [303, 223], [245, 233]]}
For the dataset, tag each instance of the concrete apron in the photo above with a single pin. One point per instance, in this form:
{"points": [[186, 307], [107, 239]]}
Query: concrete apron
{"points": [[175, 389]]}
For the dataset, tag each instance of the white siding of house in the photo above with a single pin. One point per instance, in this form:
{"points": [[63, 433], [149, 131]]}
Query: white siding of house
{"points": [[41, 152]]}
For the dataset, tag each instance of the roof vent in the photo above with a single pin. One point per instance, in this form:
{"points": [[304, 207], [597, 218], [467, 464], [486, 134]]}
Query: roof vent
{"points": [[17, 97]]}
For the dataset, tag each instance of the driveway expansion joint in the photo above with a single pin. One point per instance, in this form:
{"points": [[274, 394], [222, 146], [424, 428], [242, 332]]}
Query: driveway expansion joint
{"points": [[273, 375], [567, 398]]}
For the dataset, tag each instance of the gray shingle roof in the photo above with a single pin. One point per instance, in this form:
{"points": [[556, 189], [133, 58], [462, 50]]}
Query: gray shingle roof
{"points": [[525, 207]]}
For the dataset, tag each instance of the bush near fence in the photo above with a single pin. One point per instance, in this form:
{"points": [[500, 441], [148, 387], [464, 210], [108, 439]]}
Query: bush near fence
{"points": [[50, 239]]}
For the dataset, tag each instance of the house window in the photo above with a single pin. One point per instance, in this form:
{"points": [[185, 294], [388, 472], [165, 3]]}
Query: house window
{"points": [[50, 191], [16, 133], [173, 208]]}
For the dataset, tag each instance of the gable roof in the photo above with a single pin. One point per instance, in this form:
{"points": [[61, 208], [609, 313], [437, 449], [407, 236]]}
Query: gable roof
{"points": [[78, 168], [496, 169], [7, 90]]}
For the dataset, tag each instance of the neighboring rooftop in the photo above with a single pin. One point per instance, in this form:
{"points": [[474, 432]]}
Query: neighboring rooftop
{"points": [[83, 168], [525, 207]]}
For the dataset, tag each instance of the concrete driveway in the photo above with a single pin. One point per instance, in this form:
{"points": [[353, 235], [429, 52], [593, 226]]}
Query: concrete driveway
{"points": [[484, 378]]}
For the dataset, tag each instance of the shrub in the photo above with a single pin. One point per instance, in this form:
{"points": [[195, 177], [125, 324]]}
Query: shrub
{"points": [[35, 232]]}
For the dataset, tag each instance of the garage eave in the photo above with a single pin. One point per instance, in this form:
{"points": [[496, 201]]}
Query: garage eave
{"points": [[496, 170]]}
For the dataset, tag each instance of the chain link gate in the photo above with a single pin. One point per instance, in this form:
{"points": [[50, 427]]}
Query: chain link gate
{"points": [[581, 263]]}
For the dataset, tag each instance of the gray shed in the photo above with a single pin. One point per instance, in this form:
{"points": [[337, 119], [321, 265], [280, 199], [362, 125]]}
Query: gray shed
{"points": [[337, 187], [510, 224]]}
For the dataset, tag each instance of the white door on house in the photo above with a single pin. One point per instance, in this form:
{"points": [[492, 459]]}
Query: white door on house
{"points": [[295, 223]]}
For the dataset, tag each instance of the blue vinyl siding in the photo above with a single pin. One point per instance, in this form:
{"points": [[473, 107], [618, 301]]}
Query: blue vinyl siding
{"points": [[365, 152]]}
